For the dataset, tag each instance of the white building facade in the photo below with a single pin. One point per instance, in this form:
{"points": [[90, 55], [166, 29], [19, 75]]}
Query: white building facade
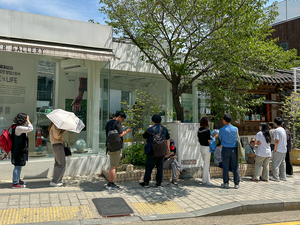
{"points": [[48, 63]]}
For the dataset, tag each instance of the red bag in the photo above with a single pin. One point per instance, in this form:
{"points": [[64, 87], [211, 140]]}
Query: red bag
{"points": [[5, 141]]}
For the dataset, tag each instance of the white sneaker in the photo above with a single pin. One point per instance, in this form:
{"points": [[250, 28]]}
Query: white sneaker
{"points": [[52, 184], [236, 186], [283, 179], [274, 179], [208, 184]]}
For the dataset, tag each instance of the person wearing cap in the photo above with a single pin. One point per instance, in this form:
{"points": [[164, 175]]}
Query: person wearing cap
{"points": [[170, 162], [250, 152]]}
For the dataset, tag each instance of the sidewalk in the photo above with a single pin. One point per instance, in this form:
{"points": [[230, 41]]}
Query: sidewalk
{"points": [[73, 204]]}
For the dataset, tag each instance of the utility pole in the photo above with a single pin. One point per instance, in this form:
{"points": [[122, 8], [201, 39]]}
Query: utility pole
{"points": [[286, 9]]}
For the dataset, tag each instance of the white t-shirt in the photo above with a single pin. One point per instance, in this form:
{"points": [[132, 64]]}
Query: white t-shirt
{"points": [[280, 134], [264, 149]]}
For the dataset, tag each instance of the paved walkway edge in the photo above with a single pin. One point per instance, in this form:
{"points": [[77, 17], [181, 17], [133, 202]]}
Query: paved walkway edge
{"points": [[234, 208]]}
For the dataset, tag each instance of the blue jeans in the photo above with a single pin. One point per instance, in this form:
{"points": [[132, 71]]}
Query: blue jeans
{"points": [[16, 174], [230, 158]]}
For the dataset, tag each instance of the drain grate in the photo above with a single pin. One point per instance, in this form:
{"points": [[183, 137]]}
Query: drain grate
{"points": [[112, 207]]}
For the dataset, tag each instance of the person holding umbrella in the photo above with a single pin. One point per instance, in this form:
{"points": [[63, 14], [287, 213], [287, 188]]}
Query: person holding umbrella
{"points": [[61, 121], [56, 139]]}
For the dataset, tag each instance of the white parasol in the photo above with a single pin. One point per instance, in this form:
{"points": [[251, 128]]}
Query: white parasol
{"points": [[66, 120]]}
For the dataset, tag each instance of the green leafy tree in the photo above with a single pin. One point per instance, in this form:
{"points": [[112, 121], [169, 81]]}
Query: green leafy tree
{"points": [[139, 115], [291, 114], [139, 119], [186, 40]]}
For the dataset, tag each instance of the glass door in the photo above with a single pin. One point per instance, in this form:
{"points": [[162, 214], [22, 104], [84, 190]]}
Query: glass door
{"points": [[104, 104]]}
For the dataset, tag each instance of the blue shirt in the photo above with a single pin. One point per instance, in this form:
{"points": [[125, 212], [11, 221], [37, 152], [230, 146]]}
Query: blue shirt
{"points": [[228, 136], [212, 145]]}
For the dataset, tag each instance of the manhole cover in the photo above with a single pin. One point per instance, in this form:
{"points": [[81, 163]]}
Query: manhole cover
{"points": [[112, 207]]}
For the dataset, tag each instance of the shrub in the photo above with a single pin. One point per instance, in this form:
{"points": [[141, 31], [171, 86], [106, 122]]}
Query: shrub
{"points": [[134, 154]]}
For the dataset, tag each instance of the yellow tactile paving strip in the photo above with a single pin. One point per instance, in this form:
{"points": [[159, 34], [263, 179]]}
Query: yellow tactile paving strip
{"points": [[45, 214], [150, 208]]}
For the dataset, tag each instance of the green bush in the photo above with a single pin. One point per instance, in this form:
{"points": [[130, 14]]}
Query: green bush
{"points": [[134, 154]]}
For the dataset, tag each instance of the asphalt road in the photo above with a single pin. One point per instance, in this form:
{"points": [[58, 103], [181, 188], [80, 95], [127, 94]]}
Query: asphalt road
{"points": [[286, 218]]}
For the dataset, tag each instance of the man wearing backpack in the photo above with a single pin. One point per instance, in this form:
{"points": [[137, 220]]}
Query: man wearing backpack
{"points": [[158, 143], [112, 126]]}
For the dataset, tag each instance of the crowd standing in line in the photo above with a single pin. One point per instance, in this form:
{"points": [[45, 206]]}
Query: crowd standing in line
{"points": [[223, 144]]}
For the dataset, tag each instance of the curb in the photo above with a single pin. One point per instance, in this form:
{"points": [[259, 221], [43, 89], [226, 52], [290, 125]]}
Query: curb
{"points": [[234, 208]]}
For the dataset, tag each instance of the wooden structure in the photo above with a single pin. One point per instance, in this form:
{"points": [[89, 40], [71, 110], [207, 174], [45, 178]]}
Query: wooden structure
{"points": [[272, 86], [288, 33]]}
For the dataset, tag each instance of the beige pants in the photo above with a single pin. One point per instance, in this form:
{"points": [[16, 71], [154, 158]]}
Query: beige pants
{"points": [[60, 162], [262, 162]]}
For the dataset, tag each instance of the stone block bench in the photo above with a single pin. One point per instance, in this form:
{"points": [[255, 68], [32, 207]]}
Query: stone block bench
{"points": [[215, 172]]}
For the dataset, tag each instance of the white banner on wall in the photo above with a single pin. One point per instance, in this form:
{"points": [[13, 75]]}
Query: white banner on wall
{"points": [[18, 75]]}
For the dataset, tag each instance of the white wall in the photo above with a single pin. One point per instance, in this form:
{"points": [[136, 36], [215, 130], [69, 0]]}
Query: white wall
{"points": [[43, 168], [18, 87], [128, 58], [51, 29]]}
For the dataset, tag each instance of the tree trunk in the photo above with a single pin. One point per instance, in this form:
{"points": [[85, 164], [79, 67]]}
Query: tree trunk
{"points": [[177, 104]]}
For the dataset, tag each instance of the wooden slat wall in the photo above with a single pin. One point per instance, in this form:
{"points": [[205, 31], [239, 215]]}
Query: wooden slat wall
{"points": [[288, 32]]}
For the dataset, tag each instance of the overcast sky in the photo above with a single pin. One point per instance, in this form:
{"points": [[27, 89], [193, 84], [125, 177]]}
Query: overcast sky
{"points": [[82, 10]]}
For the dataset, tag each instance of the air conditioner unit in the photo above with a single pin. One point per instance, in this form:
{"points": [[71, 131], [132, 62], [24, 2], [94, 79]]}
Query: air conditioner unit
{"points": [[72, 63]]}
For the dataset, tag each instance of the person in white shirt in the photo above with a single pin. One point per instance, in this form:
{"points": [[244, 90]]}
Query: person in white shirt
{"points": [[263, 153], [278, 161]]}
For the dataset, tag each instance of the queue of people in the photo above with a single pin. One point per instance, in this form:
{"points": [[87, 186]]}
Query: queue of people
{"points": [[223, 144], [258, 152], [261, 150]]}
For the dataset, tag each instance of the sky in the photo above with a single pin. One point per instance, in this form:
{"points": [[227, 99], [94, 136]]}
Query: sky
{"points": [[81, 10]]}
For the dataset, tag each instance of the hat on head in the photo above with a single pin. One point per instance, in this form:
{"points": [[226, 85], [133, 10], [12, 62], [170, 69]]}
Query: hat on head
{"points": [[172, 142]]}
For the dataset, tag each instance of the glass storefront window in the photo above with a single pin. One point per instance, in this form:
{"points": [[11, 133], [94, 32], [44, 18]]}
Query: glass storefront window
{"points": [[104, 104], [44, 105], [203, 105]]}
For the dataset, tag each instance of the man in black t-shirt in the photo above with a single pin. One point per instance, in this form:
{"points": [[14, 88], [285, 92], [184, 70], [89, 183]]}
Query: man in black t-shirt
{"points": [[115, 156]]}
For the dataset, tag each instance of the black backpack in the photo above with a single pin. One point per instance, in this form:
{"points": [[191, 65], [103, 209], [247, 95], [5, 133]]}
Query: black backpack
{"points": [[113, 140], [159, 143]]}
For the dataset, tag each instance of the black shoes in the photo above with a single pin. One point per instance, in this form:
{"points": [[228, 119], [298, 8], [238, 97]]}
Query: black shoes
{"points": [[158, 185], [111, 186], [144, 184], [174, 182]]}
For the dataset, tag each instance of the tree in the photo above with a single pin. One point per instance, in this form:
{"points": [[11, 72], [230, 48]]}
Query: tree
{"points": [[138, 115], [291, 113], [212, 40]]}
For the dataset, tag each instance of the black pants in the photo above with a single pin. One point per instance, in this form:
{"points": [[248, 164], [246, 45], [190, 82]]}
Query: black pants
{"points": [[152, 161], [288, 163]]}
